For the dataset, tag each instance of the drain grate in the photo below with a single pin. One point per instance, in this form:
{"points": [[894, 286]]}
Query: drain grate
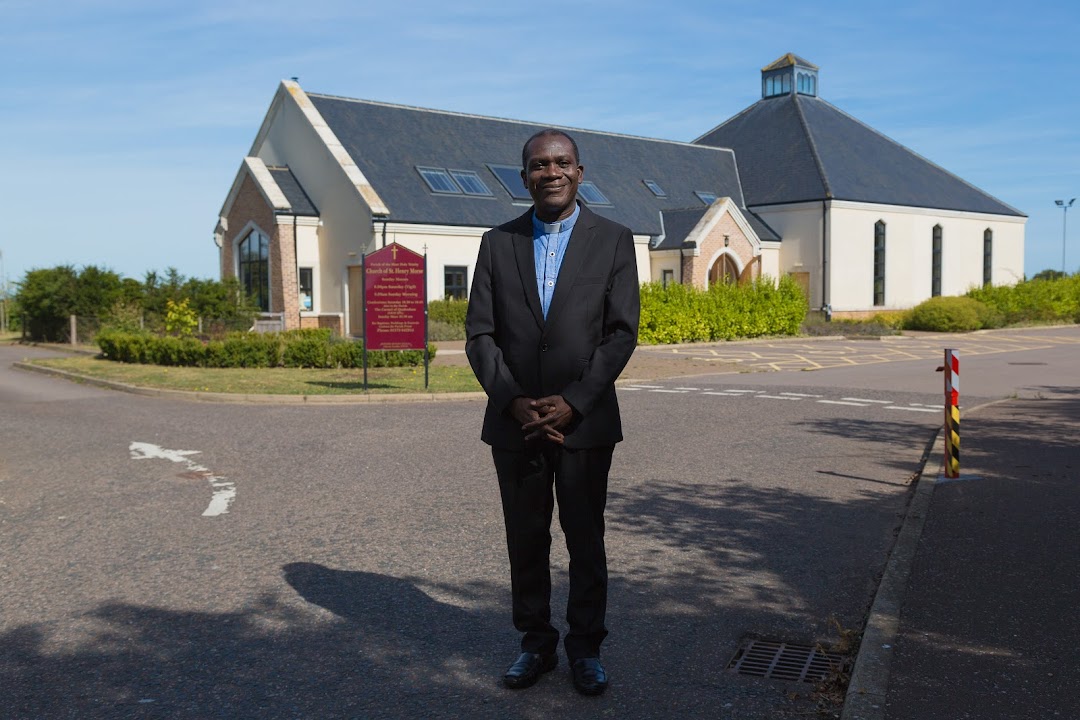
{"points": [[784, 661]]}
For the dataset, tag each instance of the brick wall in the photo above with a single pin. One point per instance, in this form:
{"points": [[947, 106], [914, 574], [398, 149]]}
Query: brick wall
{"points": [[696, 268], [248, 206]]}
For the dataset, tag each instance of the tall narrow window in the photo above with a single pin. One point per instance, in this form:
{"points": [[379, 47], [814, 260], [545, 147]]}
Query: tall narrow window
{"points": [[667, 277], [455, 281], [254, 268], [306, 289], [988, 255], [935, 263], [879, 263]]}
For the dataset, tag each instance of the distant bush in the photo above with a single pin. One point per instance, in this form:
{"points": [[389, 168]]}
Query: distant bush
{"points": [[679, 313], [1055, 299], [296, 348], [947, 314], [450, 311], [439, 331]]}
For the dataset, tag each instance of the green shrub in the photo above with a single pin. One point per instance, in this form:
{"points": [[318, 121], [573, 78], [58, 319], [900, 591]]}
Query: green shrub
{"points": [[439, 331], [347, 354], [449, 311], [252, 350], [311, 352], [1048, 300], [679, 313], [180, 319], [300, 348], [946, 314]]}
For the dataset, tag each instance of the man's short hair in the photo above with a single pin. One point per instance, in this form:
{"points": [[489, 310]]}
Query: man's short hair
{"points": [[544, 133]]}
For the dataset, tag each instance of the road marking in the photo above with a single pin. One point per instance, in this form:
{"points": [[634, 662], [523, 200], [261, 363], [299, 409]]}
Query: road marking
{"points": [[913, 409], [734, 390], [723, 394], [865, 400], [224, 490], [841, 402], [677, 392], [686, 388], [646, 387], [777, 397], [805, 395]]}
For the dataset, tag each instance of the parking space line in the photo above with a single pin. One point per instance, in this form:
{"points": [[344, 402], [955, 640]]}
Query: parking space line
{"points": [[913, 409]]}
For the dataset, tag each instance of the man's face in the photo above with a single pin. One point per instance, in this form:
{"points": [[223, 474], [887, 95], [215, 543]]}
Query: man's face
{"points": [[552, 175]]}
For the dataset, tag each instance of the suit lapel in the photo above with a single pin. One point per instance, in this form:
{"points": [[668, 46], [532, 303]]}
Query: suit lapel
{"points": [[576, 250], [526, 264]]}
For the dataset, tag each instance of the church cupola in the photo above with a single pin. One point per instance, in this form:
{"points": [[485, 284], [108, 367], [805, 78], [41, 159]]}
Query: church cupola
{"points": [[789, 75]]}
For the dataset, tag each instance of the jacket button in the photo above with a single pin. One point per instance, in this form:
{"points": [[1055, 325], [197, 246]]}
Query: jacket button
{"points": [[543, 348]]}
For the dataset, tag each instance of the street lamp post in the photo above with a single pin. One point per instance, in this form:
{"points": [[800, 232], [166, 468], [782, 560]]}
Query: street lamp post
{"points": [[1064, 220], [3, 295]]}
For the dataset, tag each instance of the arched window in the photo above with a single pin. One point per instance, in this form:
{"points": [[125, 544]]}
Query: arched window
{"points": [[935, 263], [786, 86], [988, 255], [879, 262], [254, 268]]}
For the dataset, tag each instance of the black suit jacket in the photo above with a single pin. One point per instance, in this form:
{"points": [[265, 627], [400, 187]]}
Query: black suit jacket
{"points": [[578, 351]]}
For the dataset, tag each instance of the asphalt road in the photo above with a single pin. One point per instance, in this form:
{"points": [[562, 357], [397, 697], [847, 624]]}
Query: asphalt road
{"points": [[358, 570]]}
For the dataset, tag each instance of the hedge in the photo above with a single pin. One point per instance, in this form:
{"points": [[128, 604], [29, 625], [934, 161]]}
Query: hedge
{"points": [[947, 314], [1034, 301], [679, 313], [313, 348]]}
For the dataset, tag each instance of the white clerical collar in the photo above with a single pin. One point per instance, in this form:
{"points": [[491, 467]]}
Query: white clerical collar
{"points": [[555, 228]]}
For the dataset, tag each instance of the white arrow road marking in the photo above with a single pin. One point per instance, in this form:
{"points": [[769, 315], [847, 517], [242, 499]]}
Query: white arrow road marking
{"points": [[224, 490]]}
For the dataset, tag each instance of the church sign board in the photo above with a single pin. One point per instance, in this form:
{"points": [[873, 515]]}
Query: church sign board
{"points": [[395, 299]]}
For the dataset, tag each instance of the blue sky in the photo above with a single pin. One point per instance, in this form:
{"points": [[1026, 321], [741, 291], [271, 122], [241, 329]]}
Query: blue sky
{"points": [[124, 122]]}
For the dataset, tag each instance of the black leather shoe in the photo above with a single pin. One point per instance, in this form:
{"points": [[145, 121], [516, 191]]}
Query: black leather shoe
{"points": [[528, 668], [589, 676]]}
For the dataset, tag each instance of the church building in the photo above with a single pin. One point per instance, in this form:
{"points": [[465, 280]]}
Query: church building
{"points": [[790, 186]]}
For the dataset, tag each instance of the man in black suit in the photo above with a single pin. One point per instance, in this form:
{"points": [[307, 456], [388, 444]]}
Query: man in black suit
{"points": [[552, 321]]}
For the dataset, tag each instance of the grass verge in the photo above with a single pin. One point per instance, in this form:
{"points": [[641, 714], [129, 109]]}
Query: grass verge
{"points": [[271, 381]]}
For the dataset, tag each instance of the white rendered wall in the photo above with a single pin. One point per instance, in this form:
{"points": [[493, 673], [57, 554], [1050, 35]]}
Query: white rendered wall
{"points": [[770, 259], [799, 227], [661, 260], [346, 232], [908, 253], [644, 262], [307, 255]]}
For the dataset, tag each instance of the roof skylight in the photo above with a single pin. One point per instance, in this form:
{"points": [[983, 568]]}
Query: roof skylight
{"points": [[438, 180], [706, 197], [471, 183], [510, 178], [591, 194], [655, 188]]}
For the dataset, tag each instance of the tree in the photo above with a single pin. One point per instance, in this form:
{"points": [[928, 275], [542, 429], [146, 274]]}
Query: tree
{"points": [[47, 297]]}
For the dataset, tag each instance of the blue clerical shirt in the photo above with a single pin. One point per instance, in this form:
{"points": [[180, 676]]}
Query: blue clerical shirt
{"points": [[549, 247]]}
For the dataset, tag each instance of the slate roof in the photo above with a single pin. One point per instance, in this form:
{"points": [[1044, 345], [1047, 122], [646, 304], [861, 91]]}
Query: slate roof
{"points": [[678, 224], [796, 148], [387, 142], [290, 187]]}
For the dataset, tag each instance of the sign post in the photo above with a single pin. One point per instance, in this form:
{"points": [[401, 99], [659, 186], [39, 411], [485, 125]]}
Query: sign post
{"points": [[395, 302]]}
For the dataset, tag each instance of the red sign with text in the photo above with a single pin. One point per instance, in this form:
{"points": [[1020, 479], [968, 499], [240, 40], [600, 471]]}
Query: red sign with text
{"points": [[394, 299]]}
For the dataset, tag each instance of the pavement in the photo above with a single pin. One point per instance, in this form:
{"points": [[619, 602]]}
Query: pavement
{"points": [[975, 614]]}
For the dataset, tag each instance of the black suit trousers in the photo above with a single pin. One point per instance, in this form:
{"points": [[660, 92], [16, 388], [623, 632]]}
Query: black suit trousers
{"points": [[579, 478]]}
